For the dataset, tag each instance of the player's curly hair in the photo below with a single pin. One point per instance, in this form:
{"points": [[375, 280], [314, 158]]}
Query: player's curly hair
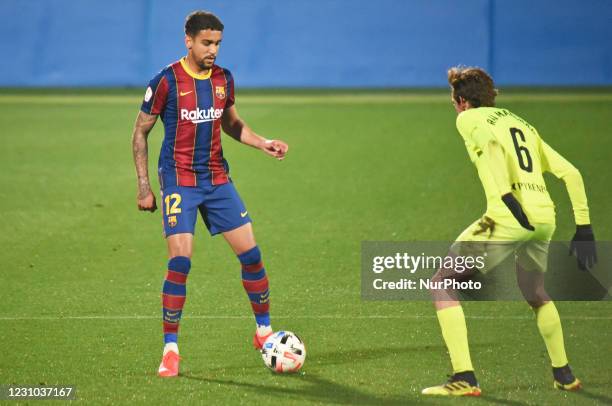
{"points": [[473, 84], [202, 20]]}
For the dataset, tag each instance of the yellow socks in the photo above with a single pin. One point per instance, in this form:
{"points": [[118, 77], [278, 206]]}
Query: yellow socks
{"points": [[454, 331], [549, 325]]}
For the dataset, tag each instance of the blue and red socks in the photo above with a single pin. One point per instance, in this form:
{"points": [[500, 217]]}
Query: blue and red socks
{"points": [[174, 292], [255, 282]]}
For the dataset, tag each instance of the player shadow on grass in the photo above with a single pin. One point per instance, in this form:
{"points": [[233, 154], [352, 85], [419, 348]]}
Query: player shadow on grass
{"points": [[599, 399], [317, 390], [583, 393], [324, 390], [486, 398], [365, 354]]}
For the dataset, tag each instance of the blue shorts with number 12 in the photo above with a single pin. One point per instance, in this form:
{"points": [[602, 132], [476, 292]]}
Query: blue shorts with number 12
{"points": [[220, 206]]}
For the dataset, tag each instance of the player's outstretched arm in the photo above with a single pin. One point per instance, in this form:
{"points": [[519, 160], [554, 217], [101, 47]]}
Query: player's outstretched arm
{"points": [[236, 128], [583, 242], [142, 128]]}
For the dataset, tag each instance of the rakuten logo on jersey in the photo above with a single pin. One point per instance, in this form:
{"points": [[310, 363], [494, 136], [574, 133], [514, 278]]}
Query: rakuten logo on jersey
{"points": [[201, 116]]}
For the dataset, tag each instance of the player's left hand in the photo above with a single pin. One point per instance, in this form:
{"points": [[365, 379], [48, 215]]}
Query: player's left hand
{"points": [[277, 149], [583, 247]]}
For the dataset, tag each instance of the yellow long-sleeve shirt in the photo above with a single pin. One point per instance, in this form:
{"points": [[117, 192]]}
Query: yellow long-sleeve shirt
{"points": [[510, 156]]}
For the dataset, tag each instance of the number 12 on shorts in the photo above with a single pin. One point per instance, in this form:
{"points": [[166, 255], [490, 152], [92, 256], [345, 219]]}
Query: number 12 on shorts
{"points": [[172, 204]]}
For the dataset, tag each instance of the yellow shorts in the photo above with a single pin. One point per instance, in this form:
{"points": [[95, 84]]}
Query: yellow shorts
{"points": [[495, 242]]}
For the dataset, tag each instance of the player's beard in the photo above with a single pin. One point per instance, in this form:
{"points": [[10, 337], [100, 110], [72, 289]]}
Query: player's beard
{"points": [[205, 63]]}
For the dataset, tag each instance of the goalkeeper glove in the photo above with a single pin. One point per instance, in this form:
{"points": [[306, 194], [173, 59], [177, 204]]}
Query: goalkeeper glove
{"points": [[517, 210], [583, 246]]}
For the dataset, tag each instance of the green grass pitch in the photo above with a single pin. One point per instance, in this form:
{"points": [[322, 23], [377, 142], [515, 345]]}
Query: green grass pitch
{"points": [[82, 268]]}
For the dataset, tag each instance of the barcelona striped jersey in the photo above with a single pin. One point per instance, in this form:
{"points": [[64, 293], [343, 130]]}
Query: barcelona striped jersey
{"points": [[190, 106]]}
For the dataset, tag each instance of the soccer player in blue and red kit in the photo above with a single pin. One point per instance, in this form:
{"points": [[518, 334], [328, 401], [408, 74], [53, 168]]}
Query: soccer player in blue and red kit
{"points": [[195, 99]]}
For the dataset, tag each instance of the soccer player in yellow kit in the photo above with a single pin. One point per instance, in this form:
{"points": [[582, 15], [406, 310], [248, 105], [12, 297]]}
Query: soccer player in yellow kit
{"points": [[510, 158]]}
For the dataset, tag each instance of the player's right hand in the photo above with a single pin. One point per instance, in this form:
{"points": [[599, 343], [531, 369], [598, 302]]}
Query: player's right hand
{"points": [[583, 247], [147, 202], [276, 148], [517, 211]]}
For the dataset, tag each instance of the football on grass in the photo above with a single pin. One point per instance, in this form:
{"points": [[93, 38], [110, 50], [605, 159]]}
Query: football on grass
{"points": [[284, 351]]}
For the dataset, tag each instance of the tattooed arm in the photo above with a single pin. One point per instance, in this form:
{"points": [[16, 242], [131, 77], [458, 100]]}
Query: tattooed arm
{"points": [[142, 127]]}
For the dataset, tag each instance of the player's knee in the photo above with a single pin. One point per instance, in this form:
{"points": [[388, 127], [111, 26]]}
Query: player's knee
{"points": [[538, 301], [535, 296], [252, 256], [179, 251], [180, 264]]}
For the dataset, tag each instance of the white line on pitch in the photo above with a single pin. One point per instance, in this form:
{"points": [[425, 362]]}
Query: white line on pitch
{"points": [[329, 316]]}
